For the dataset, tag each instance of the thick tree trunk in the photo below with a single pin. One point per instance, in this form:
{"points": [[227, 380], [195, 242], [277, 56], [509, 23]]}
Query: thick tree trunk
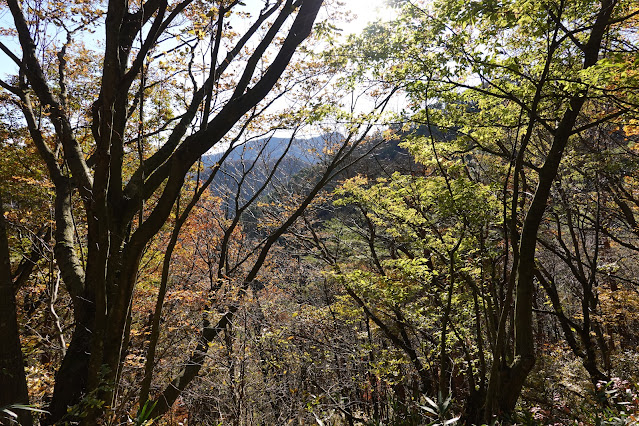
{"points": [[13, 382], [71, 378]]}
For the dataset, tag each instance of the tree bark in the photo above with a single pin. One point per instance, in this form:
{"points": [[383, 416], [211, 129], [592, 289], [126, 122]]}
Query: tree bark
{"points": [[71, 377], [13, 382]]}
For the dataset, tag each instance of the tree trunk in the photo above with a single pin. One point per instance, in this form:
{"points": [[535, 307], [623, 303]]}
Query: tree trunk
{"points": [[13, 382], [71, 377], [511, 379]]}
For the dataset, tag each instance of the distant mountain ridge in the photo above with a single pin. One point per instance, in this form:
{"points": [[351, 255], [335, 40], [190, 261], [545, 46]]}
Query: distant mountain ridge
{"points": [[248, 166], [306, 150]]}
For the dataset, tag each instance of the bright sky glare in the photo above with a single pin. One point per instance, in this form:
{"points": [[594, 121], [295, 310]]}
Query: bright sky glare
{"points": [[366, 11]]}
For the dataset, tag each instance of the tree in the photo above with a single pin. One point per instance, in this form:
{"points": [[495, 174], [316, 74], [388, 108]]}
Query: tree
{"points": [[12, 377], [511, 88], [126, 191]]}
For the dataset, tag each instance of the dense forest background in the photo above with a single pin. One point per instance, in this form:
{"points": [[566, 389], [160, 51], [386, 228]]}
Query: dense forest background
{"points": [[226, 213]]}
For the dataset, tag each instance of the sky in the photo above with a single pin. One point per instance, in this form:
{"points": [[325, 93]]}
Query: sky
{"points": [[366, 11]]}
